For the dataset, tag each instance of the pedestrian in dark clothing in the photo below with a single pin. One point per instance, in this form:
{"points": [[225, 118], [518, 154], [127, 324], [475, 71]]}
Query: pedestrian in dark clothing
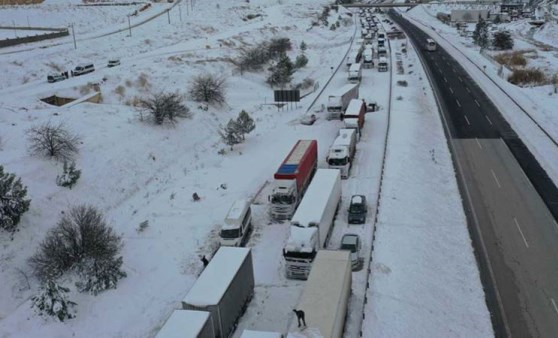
{"points": [[300, 316], [204, 261]]}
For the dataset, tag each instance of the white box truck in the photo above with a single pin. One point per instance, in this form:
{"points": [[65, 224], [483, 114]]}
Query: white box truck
{"points": [[223, 289], [325, 297], [312, 223], [368, 57], [187, 324], [338, 101], [355, 73], [342, 151], [238, 224]]}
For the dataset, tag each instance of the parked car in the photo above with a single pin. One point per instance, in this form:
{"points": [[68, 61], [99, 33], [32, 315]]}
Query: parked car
{"points": [[351, 242], [113, 63], [358, 209], [308, 119], [83, 69], [55, 78]]}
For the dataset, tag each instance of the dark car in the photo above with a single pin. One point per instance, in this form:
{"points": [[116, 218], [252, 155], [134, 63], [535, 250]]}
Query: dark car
{"points": [[358, 209]]}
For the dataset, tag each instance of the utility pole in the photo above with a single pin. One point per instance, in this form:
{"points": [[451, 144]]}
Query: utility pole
{"points": [[129, 26], [168, 14], [74, 35], [180, 11], [187, 8], [15, 30]]}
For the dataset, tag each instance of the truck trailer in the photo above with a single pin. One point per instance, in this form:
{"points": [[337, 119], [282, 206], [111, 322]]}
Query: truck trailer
{"points": [[342, 151], [187, 324], [338, 101], [312, 223], [325, 297], [355, 73], [383, 64], [354, 115], [292, 178], [224, 289]]}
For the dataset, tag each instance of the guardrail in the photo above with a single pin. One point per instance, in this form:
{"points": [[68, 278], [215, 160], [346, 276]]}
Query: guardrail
{"points": [[34, 38]]}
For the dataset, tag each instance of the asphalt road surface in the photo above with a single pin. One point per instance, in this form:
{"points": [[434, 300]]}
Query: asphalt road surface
{"points": [[511, 203]]}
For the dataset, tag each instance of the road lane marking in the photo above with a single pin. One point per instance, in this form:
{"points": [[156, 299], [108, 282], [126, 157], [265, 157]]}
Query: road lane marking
{"points": [[480, 146], [477, 102], [466, 119], [467, 88], [554, 304], [521, 232], [459, 104], [488, 119], [451, 90], [461, 80], [445, 80], [495, 178]]}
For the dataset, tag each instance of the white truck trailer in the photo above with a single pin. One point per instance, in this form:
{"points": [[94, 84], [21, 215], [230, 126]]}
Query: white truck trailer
{"points": [[325, 297], [187, 324], [223, 289], [342, 151], [312, 223], [355, 73], [260, 334], [338, 101]]}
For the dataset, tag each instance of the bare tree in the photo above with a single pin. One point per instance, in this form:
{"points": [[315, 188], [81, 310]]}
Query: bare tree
{"points": [[53, 141], [165, 106], [208, 88]]}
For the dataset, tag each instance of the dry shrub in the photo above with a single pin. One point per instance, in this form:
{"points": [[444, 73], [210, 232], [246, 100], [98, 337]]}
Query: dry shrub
{"points": [[128, 83], [147, 42], [142, 81], [120, 90], [55, 66], [86, 89], [512, 59], [402, 83], [527, 77]]}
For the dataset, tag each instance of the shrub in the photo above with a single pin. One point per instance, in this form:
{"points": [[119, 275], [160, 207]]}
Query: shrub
{"points": [[527, 77], [231, 134], [83, 242], [502, 40], [402, 83], [164, 106], [282, 72], [511, 59], [245, 123], [53, 301], [301, 61], [208, 88], [70, 176], [54, 141], [278, 46], [253, 59], [13, 202]]}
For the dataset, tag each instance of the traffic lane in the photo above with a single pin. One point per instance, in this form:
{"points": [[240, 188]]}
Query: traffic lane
{"points": [[526, 235]]}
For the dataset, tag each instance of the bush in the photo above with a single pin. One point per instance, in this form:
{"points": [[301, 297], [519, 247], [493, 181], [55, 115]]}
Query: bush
{"points": [[53, 301], [511, 59], [69, 177], [53, 141], [244, 123], [278, 46], [402, 83], [282, 72], [12, 200], [502, 40], [231, 134], [253, 59], [82, 242], [527, 77], [208, 88], [164, 106], [301, 61]]}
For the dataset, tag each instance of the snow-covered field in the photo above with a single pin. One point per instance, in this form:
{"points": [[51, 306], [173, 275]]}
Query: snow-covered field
{"points": [[135, 171]]}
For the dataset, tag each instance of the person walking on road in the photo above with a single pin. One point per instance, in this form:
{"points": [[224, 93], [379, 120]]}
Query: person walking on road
{"points": [[204, 261], [300, 317]]}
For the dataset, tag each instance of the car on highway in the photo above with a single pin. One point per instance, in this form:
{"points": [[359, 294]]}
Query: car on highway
{"points": [[113, 63], [352, 243], [51, 78], [358, 209]]}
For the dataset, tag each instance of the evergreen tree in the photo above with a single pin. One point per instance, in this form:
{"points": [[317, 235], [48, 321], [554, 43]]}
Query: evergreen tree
{"points": [[480, 35], [53, 301], [231, 134], [69, 177], [301, 61], [100, 274], [303, 47], [282, 72], [502, 40], [12, 200], [245, 123]]}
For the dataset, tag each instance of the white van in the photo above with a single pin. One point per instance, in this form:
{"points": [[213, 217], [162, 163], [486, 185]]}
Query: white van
{"points": [[83, 69], [238, 224]]}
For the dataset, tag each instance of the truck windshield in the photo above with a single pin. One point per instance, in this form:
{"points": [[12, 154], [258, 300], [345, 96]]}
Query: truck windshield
{"points": [[230, 233], [350, 247], [356, 208], [337, 161], [299, 255], [282, 199]]}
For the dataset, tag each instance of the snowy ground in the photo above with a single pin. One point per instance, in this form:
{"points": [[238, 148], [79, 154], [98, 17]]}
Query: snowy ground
{"points": [[134, 171]]}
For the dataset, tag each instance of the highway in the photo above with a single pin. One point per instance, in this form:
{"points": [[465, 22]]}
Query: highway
{"points": [[511, 203]]}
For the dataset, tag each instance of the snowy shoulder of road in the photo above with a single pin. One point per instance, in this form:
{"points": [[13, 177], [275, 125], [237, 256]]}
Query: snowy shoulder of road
{"points": [[424, 280]]}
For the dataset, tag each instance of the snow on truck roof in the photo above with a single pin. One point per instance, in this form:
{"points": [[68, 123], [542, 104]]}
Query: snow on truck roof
{"points": [[356, 199], [354, 67], [344, 89], [354, 107], [316, 197], [345, 137], [260, 334], [215, 279], [298, 239], [293, 160], [236, 211], [183, 323]]}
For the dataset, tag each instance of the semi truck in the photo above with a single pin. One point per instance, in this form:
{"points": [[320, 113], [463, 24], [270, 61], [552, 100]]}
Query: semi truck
{"points": [[383, 64], [188, 324], [224, 289], [355, 73], [342, 151], [326, 294], [312, 223], [354, 115], [292, 178], [338, 101], [368, 58]]}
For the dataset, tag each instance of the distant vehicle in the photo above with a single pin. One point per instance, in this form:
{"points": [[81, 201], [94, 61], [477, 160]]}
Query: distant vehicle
{"points": [[382, 51], [342, 151], [113, 63], [358, 209], [368, 58], [383, 64], [326, 294], [381, 42], [197, 322], [292, 178], [312, 223], [339, 100], [55, 78], [354, 115], [351, 242], [260, 334], [355, 73], [238, 224], [83, 69], [308, 120], [430, 45], [224, 288]]}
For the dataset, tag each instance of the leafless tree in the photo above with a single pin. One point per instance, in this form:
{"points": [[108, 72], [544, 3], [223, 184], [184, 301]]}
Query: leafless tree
{"points": [[53, 140], [165, 106], [208, 88]]}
